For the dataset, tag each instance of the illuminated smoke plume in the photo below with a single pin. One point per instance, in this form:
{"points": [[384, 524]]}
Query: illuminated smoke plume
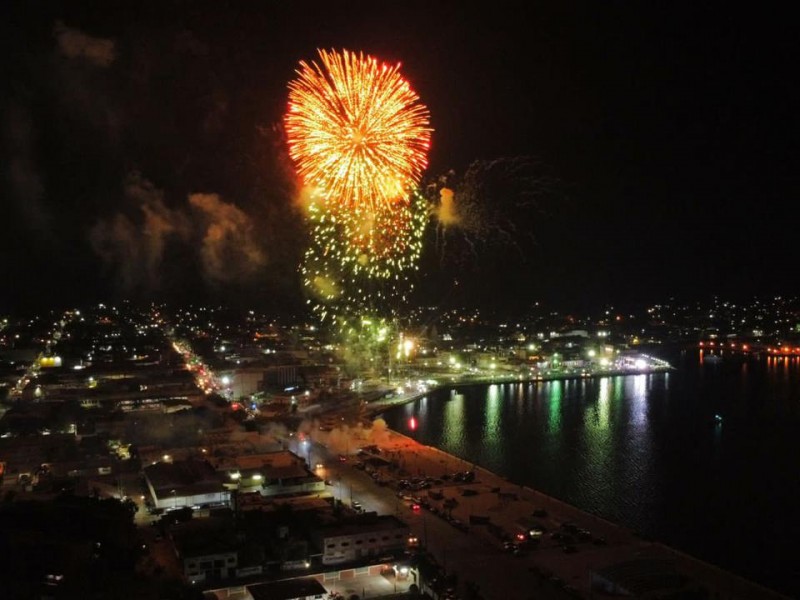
{"points": [[446, 213], [229, 249], [22, 173], [346, 439], [73, 43], [135, 244]]}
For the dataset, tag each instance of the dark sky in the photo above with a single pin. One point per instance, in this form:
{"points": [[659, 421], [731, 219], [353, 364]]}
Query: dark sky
{"points": [[142, 153]]}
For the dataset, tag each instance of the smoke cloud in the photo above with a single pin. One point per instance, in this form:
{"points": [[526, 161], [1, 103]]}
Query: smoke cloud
{"points": [[229, 250], [135, 245], [347, 439], [73, 43], [135, 240], [22, 173]]}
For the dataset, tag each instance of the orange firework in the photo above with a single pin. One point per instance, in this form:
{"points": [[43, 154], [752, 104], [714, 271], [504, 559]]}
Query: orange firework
{"points": [[357, 131]]}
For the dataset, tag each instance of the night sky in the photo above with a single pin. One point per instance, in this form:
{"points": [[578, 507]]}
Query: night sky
{"points": [[143, 155]]}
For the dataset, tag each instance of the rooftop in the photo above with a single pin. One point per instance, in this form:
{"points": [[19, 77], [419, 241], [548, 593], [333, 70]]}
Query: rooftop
{"points": [[202, 537], [182, 474], [366, 522], [287, 589]]}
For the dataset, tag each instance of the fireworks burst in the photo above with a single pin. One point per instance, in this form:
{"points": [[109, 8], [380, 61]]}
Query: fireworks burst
{"points": [[357, 132], [359, 138], [352, 265]]}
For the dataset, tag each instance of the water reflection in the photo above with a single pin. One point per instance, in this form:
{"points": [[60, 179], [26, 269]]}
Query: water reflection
{"points": [[491, 448], [639, 400], [643, 450], [491, 425], [554, 390], [453, 426], [603, 400]]}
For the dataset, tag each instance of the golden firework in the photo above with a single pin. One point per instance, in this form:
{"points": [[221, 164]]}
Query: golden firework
{"points": [[357, 132]]}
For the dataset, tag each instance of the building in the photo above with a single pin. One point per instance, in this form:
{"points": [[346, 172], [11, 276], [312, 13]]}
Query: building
{"points": [[270, 474], [191, 482], [304, 588], [206, 549], [25, 457], [367, 535]]}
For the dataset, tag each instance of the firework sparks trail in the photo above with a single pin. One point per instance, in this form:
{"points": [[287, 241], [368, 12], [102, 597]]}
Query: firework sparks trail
{"points": [[484, 206], [357, 131], [344, 269]]}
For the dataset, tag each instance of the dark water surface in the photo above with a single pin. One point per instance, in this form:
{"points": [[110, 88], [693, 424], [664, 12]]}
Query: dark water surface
{"points": [[646, 451]]}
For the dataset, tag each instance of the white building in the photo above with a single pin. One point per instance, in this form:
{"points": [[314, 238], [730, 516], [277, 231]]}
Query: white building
{"points": [[367, 535]]}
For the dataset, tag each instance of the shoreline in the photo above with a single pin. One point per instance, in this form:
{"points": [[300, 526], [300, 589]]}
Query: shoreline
{"points": [[623, 543], [717, 578], [375, 407]]}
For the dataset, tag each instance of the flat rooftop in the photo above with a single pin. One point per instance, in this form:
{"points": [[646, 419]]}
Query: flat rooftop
{"points": [[287, 589], [362, 523]]}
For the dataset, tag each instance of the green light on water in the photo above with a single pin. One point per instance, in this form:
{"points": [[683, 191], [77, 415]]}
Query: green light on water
{"points": [[556, 394]]}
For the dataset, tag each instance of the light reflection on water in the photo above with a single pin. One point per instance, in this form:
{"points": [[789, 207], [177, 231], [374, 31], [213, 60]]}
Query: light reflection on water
{"points": [[454, 424], [644, 450]]}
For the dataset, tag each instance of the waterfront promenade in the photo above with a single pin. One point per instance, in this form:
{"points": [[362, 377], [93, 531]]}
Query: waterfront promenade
{"points": [[506, 504]]}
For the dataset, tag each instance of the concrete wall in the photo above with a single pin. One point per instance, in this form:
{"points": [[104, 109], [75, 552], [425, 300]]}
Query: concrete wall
{"points": [[346, 548], [211, 566]]}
